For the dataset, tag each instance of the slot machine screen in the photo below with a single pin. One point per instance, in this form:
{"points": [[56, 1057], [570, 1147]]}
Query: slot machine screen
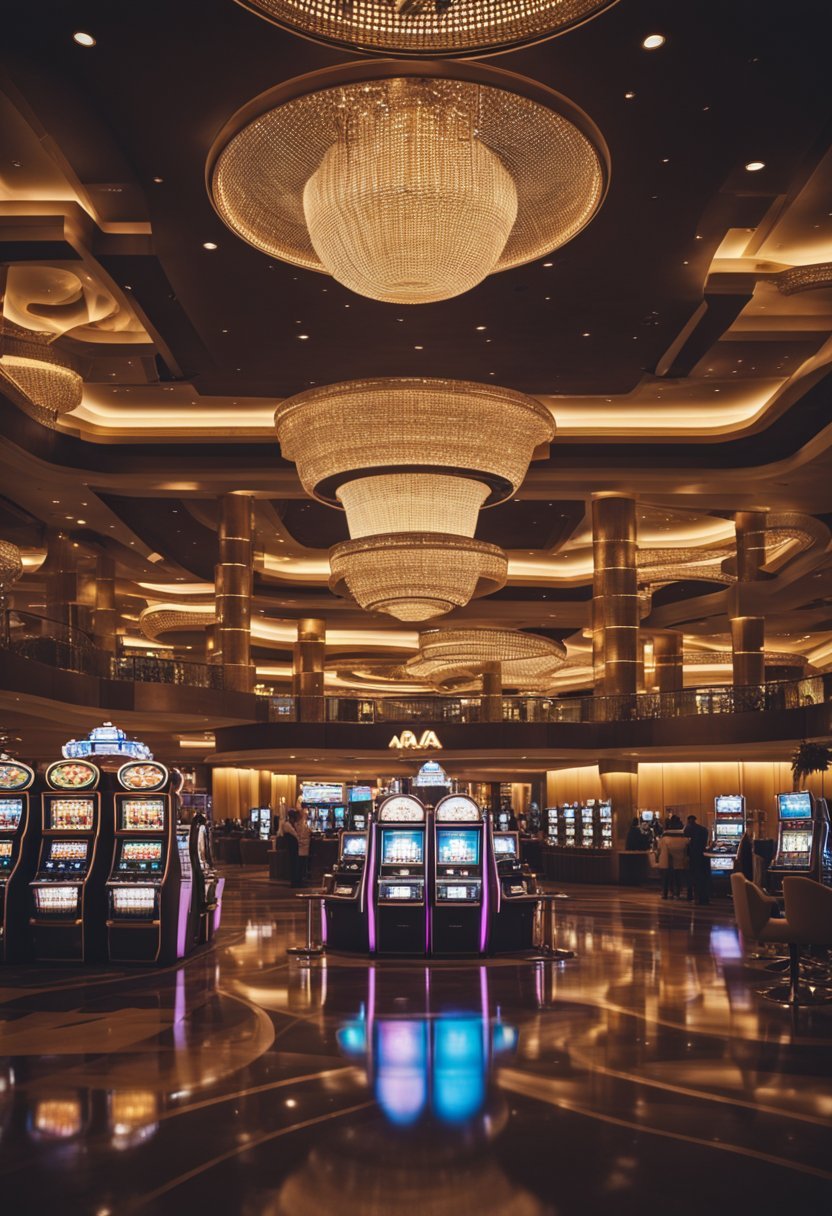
{"points": [[67, 856], [797, 805], [648, 816], [353, 844], [142, 815], [360, 793], [402, 847], [728, 804], [457, 847], [5, 854], [729, 831], [11, 812], [505, 846], [797, 842], [141, 857], [70, 814]]}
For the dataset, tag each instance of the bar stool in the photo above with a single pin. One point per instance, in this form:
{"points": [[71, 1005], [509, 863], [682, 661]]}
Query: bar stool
{"points": [[547, 937], [311, 949]]}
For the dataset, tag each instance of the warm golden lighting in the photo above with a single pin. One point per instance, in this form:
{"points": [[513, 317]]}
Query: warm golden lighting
{"points": [[418, 502], [410, 188], [456, 657], [47, 382], [11, 564], [428, 27]]}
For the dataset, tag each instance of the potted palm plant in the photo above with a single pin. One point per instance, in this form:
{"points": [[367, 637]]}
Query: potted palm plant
{"points": [[810, 758]]}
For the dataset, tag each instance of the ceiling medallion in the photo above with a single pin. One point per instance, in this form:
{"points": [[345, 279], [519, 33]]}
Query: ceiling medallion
{"points": [[47, 381], [406, 185], [428, 27], [412, 462]]}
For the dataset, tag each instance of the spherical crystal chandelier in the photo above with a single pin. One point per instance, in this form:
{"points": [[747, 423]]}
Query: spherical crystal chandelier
{"points": [[457, 657], [405, 186], [428, 27], [47, 381], [412, 462]]}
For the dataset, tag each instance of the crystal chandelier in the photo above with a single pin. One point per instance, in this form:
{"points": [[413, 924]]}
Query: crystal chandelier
{"points": [[412, 462], [46, 380], [428, 27], [456, 657], [408, 188]]}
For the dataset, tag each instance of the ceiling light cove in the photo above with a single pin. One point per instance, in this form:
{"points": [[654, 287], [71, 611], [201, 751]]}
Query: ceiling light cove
{"points": [[408, 188]]}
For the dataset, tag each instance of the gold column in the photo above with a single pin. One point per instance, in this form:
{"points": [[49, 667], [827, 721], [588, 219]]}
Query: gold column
{"points": [[615, 604], [751, 544], [64, 601], [619, 783], [492, 692], [667, 661], [105, 615], [308, 673], [233, 591], [747, 638]]}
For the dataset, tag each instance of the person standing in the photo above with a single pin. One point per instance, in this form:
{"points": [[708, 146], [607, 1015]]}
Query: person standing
{"points": [[699, 866], [673, 858], [290, 833], [304, 835]]}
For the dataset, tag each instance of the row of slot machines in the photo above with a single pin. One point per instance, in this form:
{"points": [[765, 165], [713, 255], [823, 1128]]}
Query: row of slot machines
{"points": [[416, 882], [94, 867], [586, 825]]}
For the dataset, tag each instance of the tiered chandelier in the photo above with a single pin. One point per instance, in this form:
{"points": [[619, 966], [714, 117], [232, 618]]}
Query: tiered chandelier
{"points": [[412, 461], [47, 381], [457, 657], [429, 27], [405, 186]]}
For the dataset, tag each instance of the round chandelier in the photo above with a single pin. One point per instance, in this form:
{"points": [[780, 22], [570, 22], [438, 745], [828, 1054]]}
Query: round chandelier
{"points": [[405, 186], [412, 462], [428, 27], [47, 380], [11, 564], [456, 657]]}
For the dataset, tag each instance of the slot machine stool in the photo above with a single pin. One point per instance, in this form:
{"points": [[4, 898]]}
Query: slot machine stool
{"points": [[311, 949], [546, 945]]}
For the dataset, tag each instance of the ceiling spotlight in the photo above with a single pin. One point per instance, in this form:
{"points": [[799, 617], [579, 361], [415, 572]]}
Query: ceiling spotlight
{"points": [[209, 245], [303, 337], [83, 39], [754, 166], [653, 41]]}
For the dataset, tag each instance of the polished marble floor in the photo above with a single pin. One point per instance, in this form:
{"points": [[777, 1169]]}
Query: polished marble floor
{"points": [[645, 1075]]}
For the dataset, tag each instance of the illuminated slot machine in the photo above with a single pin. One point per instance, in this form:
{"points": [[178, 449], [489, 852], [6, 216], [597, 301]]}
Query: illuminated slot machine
{"points": [[729, 829], [605, 825], [802, 838], [514, 901], [567, 816], [346, 902], [552, 834], [358, 808], [18, 856], [208, 885], [68, 906], [587, 822], [397, 903], [339, 815], [147, 906], [459, 912]]}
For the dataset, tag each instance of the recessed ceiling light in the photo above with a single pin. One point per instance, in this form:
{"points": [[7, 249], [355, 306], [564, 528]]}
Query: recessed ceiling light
{"points": [[653, 41], [81, 522], [209, 245], [418, 348], [480, 328], [83, 39], [303, 337], [158, 180], [754, 166], [629, 95], [548, 265]]}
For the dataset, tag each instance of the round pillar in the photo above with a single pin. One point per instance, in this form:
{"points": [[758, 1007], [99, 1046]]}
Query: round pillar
{"points": [[233, 592], [615, 603], [105, 615], [308, 669], [492, 692], [619, 783], [668, 672], [747, 640]]}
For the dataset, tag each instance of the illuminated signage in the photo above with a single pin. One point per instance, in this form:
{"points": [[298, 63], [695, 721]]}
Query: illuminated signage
{"points": [[407, 741]]}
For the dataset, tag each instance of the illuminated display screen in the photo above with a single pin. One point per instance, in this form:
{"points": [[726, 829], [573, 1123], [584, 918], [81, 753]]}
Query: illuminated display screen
{"points": [[401, 808], [360, 793], [68, 850], [11, 812], [505, 846], [796, 842], [321, 794], [143, 776], [455, 846], [72, 775], [142, 814], [795, 806], [458, 808], [5, 854], [728, 804], [353, 844], [730, 831], [141, 855], [402, 847], [71, 814]]}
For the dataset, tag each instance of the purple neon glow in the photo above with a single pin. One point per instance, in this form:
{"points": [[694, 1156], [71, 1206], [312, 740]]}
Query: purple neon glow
{"points": [[427, 893], [323, 922], [218, 909], [484, 905], [185, 897], [371, 891]]}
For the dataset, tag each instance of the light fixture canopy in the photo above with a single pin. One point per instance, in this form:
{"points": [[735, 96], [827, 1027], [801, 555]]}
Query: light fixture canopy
{"points": [[429, 27], [408, 182]]}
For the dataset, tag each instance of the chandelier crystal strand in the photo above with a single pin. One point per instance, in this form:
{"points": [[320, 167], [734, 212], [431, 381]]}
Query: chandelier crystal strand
{"points": [[46, 378], [425, 27], [412, 502], [450, 657]]}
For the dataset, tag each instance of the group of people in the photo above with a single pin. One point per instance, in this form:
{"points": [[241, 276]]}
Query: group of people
{"points": [[297, 833], [680, 850]]}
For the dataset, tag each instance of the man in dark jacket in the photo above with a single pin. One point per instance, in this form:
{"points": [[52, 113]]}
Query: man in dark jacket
{"points": [[699, 866]]}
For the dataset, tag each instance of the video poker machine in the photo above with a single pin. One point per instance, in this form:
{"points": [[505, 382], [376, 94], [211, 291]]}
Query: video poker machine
{"points": [[345, 907], [514, 896], [398, 909], [729, 829], [18, 856], [147, 906], [68, 904], [803, 844], [459, 912]]}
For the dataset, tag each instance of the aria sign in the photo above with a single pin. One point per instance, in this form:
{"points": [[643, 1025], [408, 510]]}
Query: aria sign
{"points": [[407, 741]]}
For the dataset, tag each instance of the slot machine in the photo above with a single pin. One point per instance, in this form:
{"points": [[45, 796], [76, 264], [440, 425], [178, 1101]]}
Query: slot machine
{"points": [[459, 912], [729, 829], [68, 907], [397, 898], [551, 816], [146, 919], [346, 903], [587, 822], [567, 822], [514, 903], [18, 855], [208, 885], [604, 825], [803, 844]]}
